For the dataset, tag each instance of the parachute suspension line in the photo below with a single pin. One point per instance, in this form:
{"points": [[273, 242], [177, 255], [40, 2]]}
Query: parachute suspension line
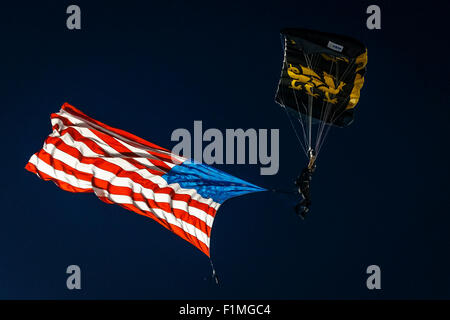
{"points": [[350, 65], [300, 118], [334, 116], [321, 137], [328, 117], [311, 61], [325, 113], [322, 128], [325, 135], [284, 46], [293, 128], [310, 103]]}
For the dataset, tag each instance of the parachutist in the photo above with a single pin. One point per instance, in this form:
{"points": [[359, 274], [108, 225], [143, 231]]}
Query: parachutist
{"points": [[320, 86], [303, 183]]}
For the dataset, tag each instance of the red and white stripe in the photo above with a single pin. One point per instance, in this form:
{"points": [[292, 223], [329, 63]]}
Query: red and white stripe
{"points": [[85, 155]]}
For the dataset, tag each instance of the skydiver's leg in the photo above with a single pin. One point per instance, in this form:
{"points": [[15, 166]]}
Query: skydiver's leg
{"points": [[302, 208], [306, 203], [299, 207], [304, 212]]}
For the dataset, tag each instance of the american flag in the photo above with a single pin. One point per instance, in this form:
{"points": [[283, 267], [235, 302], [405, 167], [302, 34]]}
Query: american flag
{"points": [[86, 155]]}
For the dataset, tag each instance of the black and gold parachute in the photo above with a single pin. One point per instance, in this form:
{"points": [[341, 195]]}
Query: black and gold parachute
{"points": [[321, 79]]}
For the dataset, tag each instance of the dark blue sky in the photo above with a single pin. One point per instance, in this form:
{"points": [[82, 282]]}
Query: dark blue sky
{"points": [[380, 192]]}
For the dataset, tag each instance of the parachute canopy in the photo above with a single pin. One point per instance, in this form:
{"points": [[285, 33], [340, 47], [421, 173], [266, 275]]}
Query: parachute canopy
{"points": [[321, 79], [324, 67]]}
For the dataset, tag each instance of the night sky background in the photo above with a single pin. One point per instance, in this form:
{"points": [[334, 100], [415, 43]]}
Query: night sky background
{"points": [[380, 192]]}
